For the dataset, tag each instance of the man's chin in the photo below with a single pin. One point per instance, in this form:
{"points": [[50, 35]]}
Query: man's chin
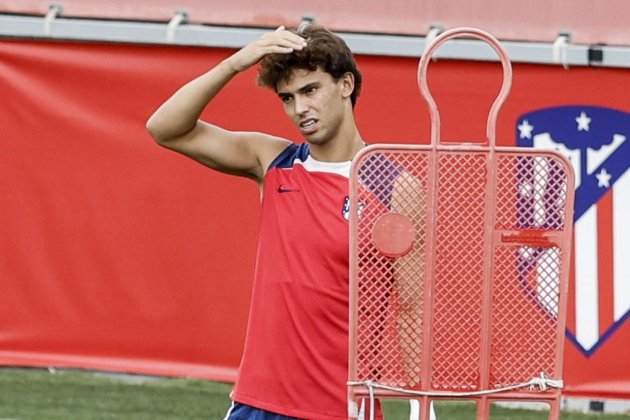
{"points": [[315, 138]]}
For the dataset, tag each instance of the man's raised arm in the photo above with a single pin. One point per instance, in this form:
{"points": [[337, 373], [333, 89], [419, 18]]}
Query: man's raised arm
{"points": [[176, 123]]}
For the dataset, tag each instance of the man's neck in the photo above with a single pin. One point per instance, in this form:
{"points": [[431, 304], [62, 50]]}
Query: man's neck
{"points": [[337, 153], [342, 148]]}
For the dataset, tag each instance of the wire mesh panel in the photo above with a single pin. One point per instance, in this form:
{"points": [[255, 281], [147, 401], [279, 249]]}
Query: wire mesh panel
{"points": [[458, 270], [459, 262], [475, 300], [531, 218], [389, 318]]}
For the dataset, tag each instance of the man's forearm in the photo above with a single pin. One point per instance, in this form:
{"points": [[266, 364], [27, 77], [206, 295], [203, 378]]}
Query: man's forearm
{"points": [[179, 114]]}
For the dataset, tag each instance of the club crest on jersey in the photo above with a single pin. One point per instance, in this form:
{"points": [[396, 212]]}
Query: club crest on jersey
{"points": [[345, 209], [596, 141]]}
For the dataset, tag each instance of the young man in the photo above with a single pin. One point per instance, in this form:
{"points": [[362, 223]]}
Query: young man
{"points": [[295, 358]]}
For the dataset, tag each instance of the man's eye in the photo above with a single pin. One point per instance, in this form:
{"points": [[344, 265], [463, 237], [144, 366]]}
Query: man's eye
{"points": [[286, 99], [311, 90]]}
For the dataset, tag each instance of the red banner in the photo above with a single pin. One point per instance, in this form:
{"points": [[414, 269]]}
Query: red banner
{"points": [[120, 255]]}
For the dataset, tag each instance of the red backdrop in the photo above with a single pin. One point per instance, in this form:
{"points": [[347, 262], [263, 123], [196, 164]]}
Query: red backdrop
{"points": [[119, 255]]}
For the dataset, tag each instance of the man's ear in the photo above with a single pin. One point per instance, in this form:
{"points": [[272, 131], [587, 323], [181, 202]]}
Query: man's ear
{"points": [[347, 85]]}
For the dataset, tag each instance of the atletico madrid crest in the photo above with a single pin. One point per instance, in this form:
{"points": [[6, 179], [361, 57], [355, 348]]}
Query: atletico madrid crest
{"points": [[597, 143]]}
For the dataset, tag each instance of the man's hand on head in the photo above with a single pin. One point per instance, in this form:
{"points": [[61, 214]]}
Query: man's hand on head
{"points": [[280, 41]]}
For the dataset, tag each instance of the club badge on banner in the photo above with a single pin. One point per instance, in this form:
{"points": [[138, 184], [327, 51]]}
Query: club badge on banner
{"points": [[596, 140]]}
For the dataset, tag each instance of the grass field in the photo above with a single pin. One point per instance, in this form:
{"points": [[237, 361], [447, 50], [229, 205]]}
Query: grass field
{"points": [[37, 394]]}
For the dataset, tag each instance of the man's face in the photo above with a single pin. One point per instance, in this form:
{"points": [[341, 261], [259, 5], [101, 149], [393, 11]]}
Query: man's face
{"points": [[315, 102]]}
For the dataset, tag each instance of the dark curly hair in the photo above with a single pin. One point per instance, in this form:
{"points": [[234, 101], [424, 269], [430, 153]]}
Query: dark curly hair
{"points": [[324, 50]]}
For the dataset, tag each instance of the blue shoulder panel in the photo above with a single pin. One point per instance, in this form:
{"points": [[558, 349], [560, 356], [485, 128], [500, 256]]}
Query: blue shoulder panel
{"points": [[286, 158]]}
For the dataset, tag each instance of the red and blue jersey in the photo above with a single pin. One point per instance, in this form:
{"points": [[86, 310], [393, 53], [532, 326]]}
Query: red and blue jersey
{"points": [[295, 360]]}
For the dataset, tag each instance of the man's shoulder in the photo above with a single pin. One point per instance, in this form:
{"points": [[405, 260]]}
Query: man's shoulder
{"points": [[292, 153]]}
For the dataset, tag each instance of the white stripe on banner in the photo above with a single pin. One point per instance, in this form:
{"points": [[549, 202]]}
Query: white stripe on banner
{"points": [[548, 280], [586, 296], [621, 248]]}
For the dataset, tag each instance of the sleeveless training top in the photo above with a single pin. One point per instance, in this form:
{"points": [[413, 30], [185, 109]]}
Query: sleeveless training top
{"points": [[295, 360]]}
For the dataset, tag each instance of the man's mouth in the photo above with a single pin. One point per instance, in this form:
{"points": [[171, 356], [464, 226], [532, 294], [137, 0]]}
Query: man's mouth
{"points": [[308, 125]]}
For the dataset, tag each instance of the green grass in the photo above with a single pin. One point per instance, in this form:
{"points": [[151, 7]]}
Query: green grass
{"points": [[36, 394]]}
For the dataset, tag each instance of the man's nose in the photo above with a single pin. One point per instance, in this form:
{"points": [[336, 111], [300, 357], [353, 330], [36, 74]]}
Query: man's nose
{"points": [[301, 105]]}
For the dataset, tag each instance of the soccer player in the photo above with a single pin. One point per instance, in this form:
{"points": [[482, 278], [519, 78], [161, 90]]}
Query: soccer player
{"points": [[294, 364]]}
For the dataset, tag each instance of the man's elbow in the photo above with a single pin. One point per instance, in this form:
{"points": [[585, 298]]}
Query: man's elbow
{"points": [[154, 130]]}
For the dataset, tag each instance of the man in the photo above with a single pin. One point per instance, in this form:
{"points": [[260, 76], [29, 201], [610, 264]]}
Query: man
{"points": [[294, 363]]}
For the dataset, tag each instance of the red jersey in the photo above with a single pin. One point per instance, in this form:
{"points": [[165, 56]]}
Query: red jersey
{"points": [[295, 360]]}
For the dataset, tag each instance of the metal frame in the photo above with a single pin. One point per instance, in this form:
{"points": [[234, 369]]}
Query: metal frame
{"points": [[179, 32], [492, 239]]}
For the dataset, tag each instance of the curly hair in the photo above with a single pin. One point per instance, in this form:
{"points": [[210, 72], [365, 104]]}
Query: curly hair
{"points": [[324, 50]]}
